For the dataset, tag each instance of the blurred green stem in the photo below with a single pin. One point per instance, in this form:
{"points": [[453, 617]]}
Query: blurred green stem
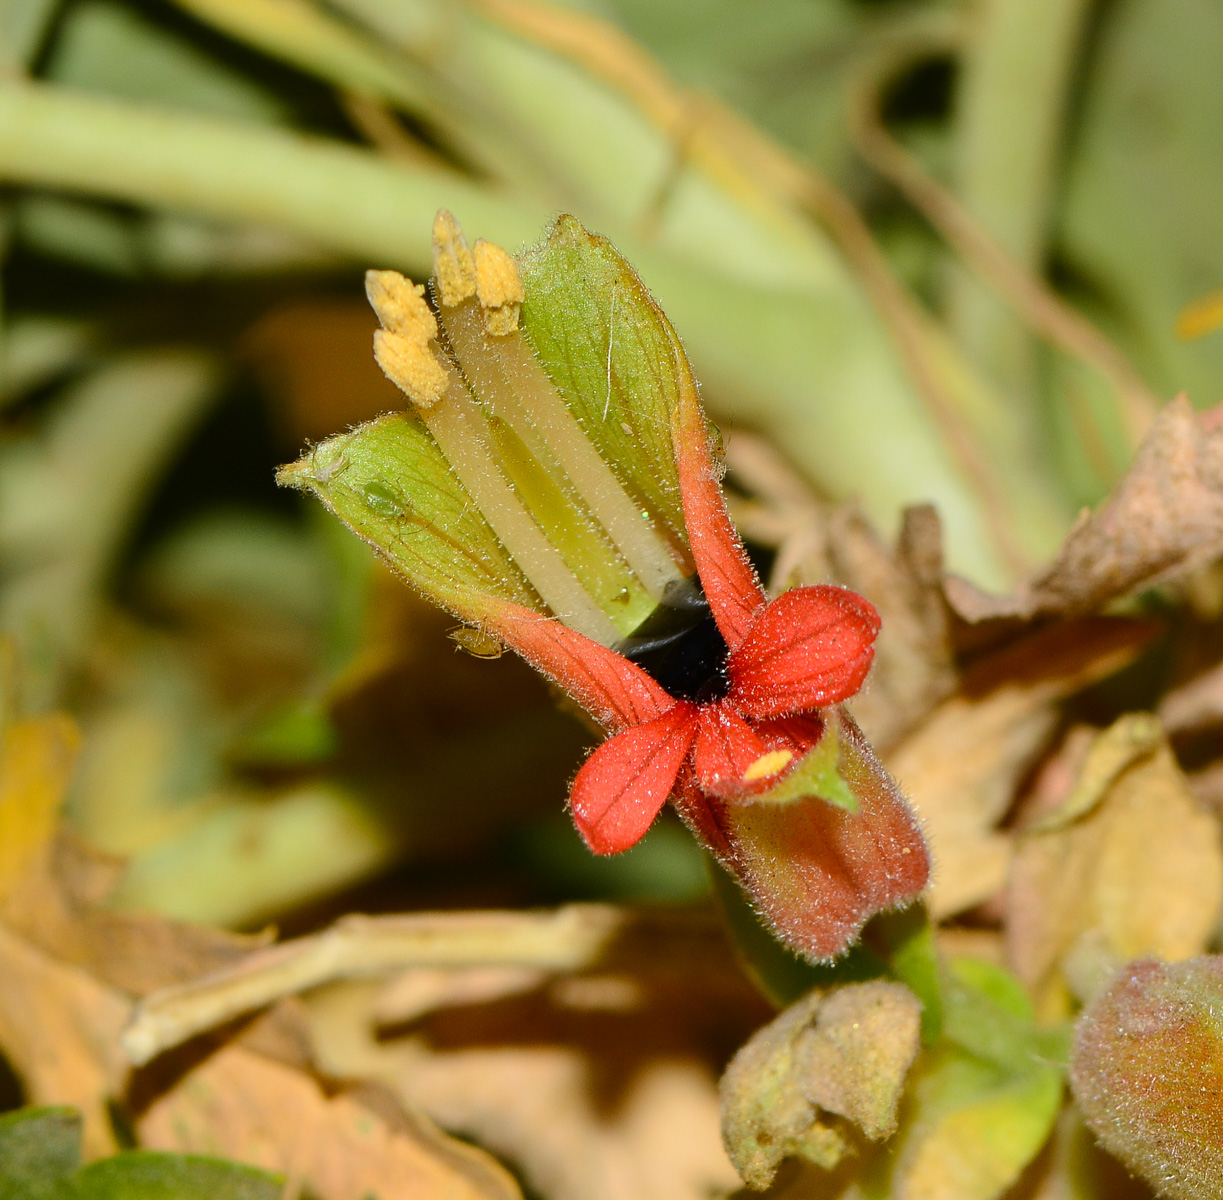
{"points": [[810, 364], [1043, 310], [1010, 110], [23, 25], [340, 197]]}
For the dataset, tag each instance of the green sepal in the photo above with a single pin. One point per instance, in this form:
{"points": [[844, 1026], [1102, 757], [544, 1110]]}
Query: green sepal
{"points": [[818, 773], [388, 481], [613, 356]]}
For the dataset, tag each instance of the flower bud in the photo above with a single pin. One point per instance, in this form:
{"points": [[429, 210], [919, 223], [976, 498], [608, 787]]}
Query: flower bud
{"points": [[1148, 1073]]}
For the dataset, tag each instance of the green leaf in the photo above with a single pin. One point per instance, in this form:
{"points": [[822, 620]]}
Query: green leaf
{"points": [[297, 733], [983, 1099], [39, 1148], [37, 350], [78, 232], [149, 1175], [40, 1159], [23, 26], [1143, 214], [988, 1013], [905, 941], [969, 1127]]}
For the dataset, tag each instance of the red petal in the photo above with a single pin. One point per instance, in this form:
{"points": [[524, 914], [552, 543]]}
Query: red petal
{"points": [[810, 648], [728, 578], [616, 692], [623, 784], [815, 872], [726, 746]]}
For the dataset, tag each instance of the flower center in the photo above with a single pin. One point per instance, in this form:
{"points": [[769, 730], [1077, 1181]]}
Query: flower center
{"points": [[680, 646]]}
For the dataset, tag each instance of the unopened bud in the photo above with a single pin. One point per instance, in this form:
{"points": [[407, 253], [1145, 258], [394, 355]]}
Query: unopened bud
{"points": [[1148, 1074]]}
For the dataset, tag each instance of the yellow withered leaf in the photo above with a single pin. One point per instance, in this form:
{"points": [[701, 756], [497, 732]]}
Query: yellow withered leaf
{"points": [[36, 758]]}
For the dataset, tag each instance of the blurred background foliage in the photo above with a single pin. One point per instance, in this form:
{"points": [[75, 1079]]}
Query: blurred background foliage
{"points": [[935, 250]]}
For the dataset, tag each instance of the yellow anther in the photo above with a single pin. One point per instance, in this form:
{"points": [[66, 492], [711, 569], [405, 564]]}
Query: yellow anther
{"points": [[411, 366], [454, 272], [767, 764], [498, 287], [400, 305]]}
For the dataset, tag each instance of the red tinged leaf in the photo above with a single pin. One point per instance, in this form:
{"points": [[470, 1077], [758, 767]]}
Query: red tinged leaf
{"points": [[726, 747], [728, 578], [810, 648], [815, 872], [623, 784], [616, 692]]}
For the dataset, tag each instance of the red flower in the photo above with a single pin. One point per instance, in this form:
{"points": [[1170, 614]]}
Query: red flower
{"points": [[809, 649], [815, 870], [761, 761]]}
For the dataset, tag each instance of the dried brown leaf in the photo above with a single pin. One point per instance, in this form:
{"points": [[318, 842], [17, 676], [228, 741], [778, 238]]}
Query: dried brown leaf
{"points": [[59, 1027], [1074, 1167], [962, 766], [1195, 704], [599, 1085], [1165, 518], [240, 1105], [58, 905], [956, 941], [1139, 873], [421, 990], [358, 946], [960, 771], [1207, 786], [1126, 742]]}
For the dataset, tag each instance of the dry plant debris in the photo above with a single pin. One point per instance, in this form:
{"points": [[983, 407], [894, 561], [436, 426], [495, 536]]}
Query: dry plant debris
{"points": [[1164, 518], [1129, 865], [72, 971]]}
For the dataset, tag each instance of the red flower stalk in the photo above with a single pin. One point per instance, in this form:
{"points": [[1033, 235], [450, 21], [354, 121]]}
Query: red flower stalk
{"points": [[816, 871]]}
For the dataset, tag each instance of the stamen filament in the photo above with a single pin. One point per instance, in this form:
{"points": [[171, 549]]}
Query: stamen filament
{"points": [[461, 432]]}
